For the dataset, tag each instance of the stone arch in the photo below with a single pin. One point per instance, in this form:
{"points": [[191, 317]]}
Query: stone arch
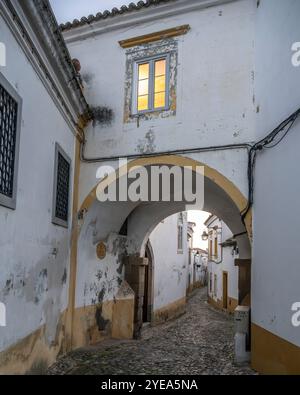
{"points": [[227, 203], [101, 222]]}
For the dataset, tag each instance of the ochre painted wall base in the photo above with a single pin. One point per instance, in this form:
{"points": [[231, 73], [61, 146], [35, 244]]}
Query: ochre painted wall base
{"points": [[33, 355], [273, 355], [169, 312], [92, 324], [231, 304]]}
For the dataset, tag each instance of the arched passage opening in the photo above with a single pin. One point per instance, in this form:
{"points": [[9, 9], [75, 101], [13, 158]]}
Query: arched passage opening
{"points": [[123, 229], [193, 249]]}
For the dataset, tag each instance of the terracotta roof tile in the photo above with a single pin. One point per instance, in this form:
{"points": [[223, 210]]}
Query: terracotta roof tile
{"points": [[108, 14]]}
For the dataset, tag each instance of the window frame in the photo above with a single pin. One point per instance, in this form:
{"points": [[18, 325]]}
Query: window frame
{"points": [[55, 220], [151, 60], [180, 230], [6, 201], [180, 238]]}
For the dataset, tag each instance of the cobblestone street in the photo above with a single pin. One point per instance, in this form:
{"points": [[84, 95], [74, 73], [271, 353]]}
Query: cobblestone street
{"points": [[199, 342]]}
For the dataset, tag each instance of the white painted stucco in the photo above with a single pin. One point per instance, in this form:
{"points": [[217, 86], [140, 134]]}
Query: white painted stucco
{"points": [[33, 281], [214, 87], [170, 265], [235, 83], [224, 262], [275, 270], [214, 94]]}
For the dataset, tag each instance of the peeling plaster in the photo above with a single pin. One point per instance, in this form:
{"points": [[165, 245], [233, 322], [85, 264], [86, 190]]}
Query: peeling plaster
{"points": [[146, 145], [42, 285], [102, 323], [88, 78], [106, 280]]}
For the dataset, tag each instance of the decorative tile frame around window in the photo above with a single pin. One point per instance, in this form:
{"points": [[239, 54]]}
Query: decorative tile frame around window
{"points": [[10, 125], [165, 49], [61, 188]]}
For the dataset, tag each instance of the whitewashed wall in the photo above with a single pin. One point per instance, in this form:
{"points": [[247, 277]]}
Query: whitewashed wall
{"points": [[170, 267], [214, 106], [214, 90], [33, 281], [227, 265], [276, 206]]}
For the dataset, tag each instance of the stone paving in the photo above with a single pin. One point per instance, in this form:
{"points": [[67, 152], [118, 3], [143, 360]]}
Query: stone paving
{"points": [[199, 342]]}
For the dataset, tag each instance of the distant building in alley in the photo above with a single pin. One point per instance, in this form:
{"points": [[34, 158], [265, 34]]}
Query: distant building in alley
{"points": [[223, 275]]}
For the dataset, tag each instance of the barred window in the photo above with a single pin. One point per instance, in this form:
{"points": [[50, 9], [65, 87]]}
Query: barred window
{"points": [[180, 234], [10, 114], [61, 195]]}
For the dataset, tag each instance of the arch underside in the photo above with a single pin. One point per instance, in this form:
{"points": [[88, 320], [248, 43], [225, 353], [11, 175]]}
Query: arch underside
{"points": [[221, 198]]}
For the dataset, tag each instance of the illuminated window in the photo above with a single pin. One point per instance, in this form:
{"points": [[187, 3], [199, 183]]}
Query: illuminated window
{"points": [[151, 79]]}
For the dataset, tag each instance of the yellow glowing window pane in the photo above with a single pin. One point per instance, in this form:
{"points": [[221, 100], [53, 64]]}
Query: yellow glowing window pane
{"points": [[144, 71], [159, 100], [143, 103], [160, 84], [160, 67], [143, 87]]}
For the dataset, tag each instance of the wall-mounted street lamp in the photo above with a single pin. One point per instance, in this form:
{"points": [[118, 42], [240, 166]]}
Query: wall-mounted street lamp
{"points": [[204, 236]]}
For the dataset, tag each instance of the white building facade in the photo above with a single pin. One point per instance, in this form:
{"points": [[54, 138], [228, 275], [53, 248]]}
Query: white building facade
{"points": [[151, 65], [38, 126], [170, 267], [223, 273], [185, 83]]}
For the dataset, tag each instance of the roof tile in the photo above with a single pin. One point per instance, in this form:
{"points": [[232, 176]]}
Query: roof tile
{"points": [[115, 11]]}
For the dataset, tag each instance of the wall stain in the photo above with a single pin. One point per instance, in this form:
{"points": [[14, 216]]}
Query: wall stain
{"points": [[102, 323], [101, 295], [146, 145], [87, 78], [64, 277], [102, 115], [99, 275], [41, 284]]}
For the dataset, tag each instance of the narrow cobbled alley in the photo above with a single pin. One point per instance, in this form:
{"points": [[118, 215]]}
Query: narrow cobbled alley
{"points": [[199, 342]]}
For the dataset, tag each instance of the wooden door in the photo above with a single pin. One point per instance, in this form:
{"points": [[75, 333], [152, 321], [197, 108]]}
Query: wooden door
{"points": [[225, 290]]}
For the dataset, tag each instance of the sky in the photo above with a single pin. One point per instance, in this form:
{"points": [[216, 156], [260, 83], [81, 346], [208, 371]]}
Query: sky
{"points": [[67, 10], [199, 217]]}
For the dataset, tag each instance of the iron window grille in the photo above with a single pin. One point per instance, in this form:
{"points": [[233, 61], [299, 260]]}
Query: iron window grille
{"points": [[10, 121], [61, 194], [180, 234]]}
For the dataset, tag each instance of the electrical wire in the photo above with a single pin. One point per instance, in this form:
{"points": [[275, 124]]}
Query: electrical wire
{"points": [[265, 143], [85, 159]]}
